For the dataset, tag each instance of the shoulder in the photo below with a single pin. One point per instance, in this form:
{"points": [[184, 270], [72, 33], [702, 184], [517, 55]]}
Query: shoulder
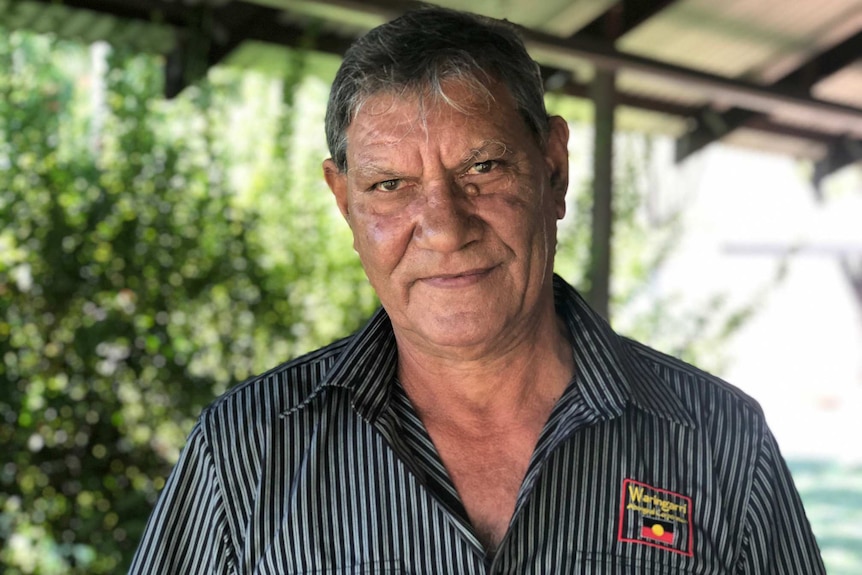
{"points": [[263, 398], [242, 432], [705, 398]]}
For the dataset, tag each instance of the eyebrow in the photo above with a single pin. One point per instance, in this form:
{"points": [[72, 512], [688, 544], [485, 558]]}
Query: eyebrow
{"points": [[371, 170], [487, 148]]}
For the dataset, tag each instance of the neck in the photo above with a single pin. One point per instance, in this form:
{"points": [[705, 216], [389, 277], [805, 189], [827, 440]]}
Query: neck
{"points": [[486, 393]]}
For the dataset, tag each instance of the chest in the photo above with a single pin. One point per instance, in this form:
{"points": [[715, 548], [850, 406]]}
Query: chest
{"points": [[351, 501], [488, 476]]}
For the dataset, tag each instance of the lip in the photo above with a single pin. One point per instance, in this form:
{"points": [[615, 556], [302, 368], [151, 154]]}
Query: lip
{"points": [[459, 279]]}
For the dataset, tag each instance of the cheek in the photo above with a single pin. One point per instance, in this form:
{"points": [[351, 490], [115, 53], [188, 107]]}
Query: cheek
{"points": [[380, 240], [514, 215]]}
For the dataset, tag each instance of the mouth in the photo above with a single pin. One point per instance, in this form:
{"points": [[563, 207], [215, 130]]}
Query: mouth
{"points": [[458, 279]]}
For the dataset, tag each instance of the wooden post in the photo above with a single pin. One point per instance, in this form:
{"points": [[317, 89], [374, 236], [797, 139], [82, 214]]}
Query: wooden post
{"points": [[603, 96]]}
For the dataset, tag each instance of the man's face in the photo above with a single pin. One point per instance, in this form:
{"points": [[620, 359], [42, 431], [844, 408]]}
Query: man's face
{"points": [[453, 211]]}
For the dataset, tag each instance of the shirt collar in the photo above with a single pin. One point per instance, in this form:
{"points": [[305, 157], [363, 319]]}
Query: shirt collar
{"points": [[608, 372], [367, 365]]}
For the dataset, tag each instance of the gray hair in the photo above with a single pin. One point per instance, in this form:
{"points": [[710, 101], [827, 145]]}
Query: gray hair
{"points": [[417, 52]]}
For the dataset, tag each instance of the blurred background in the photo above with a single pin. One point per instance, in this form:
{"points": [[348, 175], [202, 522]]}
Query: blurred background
{"points": [[165, 231]]}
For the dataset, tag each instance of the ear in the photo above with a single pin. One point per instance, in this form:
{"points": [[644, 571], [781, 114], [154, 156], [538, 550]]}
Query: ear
{"points": [[557, 161], [337, 182]]}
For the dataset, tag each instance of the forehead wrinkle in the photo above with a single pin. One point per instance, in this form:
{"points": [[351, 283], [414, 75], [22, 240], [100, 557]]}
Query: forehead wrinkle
{"points": [[368, 159]]}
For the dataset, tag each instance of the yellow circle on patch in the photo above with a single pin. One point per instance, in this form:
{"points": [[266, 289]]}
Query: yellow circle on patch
{"points": [[657, 530]]}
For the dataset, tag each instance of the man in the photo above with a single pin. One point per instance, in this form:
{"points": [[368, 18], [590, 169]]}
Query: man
{"points": [[485, 420]]}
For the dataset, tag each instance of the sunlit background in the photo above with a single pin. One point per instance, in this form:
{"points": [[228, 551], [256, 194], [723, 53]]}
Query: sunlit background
{"points": [[153, 253]]}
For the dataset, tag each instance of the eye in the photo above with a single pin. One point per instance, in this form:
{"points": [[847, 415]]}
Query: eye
{"points": [[484, 167], [387, 185]]}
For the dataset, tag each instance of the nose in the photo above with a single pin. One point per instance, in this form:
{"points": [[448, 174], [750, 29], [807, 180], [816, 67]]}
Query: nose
{"points": [[447, 220]]}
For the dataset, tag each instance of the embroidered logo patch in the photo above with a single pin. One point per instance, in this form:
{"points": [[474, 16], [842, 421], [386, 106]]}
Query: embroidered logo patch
{"points": [[655, 517]]}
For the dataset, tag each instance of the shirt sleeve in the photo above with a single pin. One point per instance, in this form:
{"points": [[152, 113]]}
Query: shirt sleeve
{"points": [[187, 531], [777, 536]]}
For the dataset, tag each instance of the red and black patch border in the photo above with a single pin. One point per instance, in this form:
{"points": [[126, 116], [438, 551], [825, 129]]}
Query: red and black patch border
{"points": [[623, 498]]}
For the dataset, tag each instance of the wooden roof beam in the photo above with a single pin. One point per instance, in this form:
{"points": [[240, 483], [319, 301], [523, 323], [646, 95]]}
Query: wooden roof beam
{"points": [[563, 83], [623, 17], [175, 14], [712, 125]]}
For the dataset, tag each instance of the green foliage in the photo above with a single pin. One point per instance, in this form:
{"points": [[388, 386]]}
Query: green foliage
{"points": [[138, 280]]}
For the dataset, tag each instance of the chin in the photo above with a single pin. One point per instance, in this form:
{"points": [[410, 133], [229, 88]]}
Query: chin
{"points": [[458, 332]]}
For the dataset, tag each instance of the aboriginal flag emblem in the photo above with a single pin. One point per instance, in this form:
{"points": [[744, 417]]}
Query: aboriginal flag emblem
{"points": [[657, 530], [656, 517]]}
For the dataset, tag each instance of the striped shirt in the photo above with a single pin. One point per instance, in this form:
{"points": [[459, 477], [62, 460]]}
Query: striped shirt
{"points": [[645, 465]]}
